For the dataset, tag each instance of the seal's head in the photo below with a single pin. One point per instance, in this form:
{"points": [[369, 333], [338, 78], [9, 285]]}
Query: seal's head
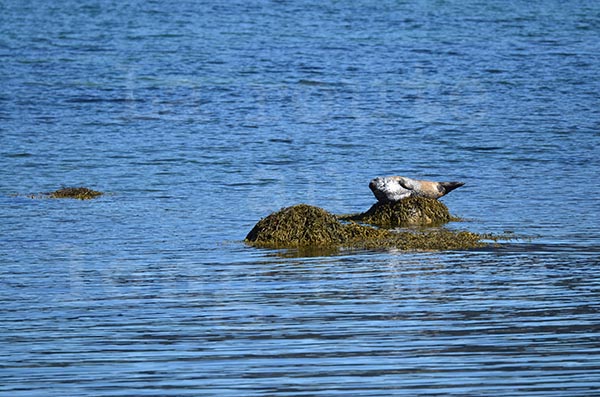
{"points": [[389, 188]]}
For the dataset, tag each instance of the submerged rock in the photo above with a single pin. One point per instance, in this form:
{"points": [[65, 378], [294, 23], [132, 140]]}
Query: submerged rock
{"points": [[81, 193], [410, 211], [308, 226]]}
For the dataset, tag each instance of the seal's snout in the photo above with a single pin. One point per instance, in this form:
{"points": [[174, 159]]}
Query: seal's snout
{"points": [[372, 184]]}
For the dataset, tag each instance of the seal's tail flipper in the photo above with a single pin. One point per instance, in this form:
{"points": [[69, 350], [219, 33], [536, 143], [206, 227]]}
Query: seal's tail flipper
{"points": [[450, 186]]}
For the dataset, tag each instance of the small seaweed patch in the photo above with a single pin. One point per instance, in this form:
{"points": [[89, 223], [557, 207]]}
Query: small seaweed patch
{"points": [[308, 226], [80, 193], [408, 212]]}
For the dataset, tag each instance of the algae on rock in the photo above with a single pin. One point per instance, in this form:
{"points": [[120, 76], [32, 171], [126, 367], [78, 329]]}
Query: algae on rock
{"points": [[81, 193], [300, 225], [307, 226], [409, 211]]}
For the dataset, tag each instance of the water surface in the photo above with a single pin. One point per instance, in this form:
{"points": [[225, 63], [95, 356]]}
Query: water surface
{"points": [[199, 119]]}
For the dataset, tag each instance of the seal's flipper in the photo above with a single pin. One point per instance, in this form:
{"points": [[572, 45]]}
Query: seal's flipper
{"points": [[406, 183], [450, 186]]}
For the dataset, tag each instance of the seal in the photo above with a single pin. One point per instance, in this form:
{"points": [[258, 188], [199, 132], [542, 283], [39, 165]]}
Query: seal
{"points": [[395, 188]]}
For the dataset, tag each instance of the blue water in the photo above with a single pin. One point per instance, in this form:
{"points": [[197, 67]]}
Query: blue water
{"points": [[199, 118]]}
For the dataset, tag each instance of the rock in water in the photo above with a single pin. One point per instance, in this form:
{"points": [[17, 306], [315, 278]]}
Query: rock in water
{"points": [[299, 225], [304, 226], [81, 193], [410, 211]]}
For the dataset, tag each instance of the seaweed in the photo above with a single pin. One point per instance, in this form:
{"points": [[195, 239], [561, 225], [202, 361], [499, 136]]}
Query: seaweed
{"points": [[300, 225], [303, 226], [408, 212], [80, 193]]}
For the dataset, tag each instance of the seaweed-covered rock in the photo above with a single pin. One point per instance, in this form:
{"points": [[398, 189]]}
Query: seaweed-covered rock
{"points": [[81, 193], [300, 225], [409, 211], [307, 226]]}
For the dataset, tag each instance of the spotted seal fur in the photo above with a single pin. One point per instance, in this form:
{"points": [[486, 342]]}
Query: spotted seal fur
{"points": [[395, 188]]}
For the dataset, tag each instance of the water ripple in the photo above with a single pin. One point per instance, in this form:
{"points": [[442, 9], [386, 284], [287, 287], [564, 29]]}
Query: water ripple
{"points": [[200, 119]]}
